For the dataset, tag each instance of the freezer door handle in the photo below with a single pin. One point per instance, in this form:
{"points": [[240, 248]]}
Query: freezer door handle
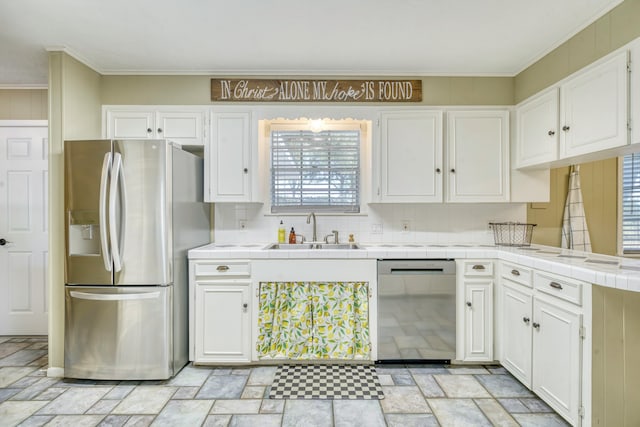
{"points": [[117, 187], [104, 243], [113, 297]]}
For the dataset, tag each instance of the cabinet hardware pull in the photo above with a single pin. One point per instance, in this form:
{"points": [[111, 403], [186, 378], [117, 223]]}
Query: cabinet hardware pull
{"points": [[244, 307], [536, 325], [222, 268], [478, 267], [468, 304], [159, 130], [515, 272], [566, 128], [246, 170], [555, 285], [437, 170], [149, 130], [526, 320], [552, 132], [4, 242], [453, 170]]}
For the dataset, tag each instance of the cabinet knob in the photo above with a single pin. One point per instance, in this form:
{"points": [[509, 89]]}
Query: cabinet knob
{"points": [[437, 170], [566, 128], [536, 325], [526, 320], [245, 170], [468, 304], [244, 307], [149, 130], [453, 170], [552, 132], [159, 130], [4, 242]]}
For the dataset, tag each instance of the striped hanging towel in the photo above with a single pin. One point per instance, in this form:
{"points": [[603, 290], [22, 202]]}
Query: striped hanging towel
{"points": [[575, 234]]}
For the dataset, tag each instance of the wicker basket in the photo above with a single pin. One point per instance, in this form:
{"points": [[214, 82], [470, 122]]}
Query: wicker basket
{"points": [[512, 233]]}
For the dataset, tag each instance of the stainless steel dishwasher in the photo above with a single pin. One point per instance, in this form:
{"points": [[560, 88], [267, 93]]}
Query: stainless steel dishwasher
{"points": [[416, 310]]}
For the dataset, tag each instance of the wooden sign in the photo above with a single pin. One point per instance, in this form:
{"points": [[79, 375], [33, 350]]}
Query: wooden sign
{"points": [[263, 90]]}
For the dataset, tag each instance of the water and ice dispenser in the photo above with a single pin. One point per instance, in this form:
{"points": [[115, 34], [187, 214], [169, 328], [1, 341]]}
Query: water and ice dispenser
{"points": [[84, 233]]}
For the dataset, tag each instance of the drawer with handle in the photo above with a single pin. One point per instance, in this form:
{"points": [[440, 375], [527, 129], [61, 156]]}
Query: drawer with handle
{"points": [[478, 268], [517, 273], [231, 268], [559, 286]]}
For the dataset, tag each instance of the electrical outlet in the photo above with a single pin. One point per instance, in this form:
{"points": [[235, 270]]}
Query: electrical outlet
{"points": [[406, 225], [242, 224], [376, 228]]}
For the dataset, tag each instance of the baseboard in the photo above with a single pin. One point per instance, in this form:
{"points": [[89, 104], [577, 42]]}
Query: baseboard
{"points": [[55, 372]]}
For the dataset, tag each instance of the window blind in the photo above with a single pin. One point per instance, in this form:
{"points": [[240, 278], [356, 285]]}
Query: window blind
{"points": [[315, 171], [631, 203]]}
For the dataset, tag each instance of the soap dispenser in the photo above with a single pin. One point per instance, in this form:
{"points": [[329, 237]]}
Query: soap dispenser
{"points": [[292, 236], [281, 233]]}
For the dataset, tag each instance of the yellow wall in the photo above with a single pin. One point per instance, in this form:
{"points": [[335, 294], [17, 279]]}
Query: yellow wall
{"points": [[613, 30], [23, 104], [74, 111], [615, 368], [599, 179], [195, 90]]}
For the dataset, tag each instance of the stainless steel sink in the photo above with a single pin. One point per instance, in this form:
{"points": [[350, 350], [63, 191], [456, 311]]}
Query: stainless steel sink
{"points": [[319, 246]]}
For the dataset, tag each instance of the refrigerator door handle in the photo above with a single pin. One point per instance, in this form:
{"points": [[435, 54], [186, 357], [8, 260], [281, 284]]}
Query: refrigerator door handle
{"points": [[113, 297], [106, 253], [117, 187]]}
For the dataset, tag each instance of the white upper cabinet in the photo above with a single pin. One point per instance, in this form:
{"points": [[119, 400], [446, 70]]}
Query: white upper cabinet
{"points": [[228, 158], [578, 119], [537, 129], [411, 156], [185, 126], [594, 111], [477, 156]]}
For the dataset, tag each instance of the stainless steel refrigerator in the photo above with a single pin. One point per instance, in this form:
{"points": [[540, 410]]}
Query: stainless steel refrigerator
{"points": [[132, 210]]}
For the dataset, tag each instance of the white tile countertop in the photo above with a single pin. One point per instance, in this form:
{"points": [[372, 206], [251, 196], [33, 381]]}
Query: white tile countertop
{"points": [[604, 270]]}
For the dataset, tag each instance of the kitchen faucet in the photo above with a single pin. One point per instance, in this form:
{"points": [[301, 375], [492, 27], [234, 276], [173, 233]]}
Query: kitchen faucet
{"points": [[313, 215]]}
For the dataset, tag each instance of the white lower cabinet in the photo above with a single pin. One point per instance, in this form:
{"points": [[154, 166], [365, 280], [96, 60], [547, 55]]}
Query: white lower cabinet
{"points": [[542, 336], [220, 317], [475, 311]]}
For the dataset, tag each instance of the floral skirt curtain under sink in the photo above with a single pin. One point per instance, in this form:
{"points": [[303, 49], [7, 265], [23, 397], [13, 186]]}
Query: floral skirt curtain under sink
{"points": [[313, 320]]}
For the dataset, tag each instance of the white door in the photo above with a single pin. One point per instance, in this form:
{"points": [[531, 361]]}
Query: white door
{"points": [[516, 332], [23, 226], [131, 124], [557, 357], [411, 157], [537, 126], [478, 156], [478, 321], [186, 127]]}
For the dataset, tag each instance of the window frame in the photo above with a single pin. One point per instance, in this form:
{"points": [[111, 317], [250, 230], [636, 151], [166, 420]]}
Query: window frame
{"points": [[620, 228], [363, 126]]}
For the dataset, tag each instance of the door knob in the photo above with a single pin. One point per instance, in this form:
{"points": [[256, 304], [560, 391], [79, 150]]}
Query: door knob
{"points": [[4, 242]]}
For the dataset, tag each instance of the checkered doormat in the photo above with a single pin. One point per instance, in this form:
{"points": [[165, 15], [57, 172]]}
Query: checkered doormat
{"points": [[326, 382]]}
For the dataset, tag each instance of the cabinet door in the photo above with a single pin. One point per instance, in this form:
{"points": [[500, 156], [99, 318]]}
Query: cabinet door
{"points": [[411, 157], [130, 124], [516, 332], [478, 308], [478, 156], [537, 129], [186, 127], [222, 322], [227, 159], [594, 108], [557, 356]]}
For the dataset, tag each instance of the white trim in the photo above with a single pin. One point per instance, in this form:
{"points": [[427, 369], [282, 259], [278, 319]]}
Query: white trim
{"points": [[619, 249], [28, 86], [54, 372], [24, 123]]}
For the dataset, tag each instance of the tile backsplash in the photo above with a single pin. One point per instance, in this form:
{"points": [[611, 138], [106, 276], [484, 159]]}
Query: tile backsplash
{"points": [[389, 223]]}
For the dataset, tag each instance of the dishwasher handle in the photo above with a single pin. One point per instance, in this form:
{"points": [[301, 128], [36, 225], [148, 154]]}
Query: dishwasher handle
{"points": [[416, 271]]}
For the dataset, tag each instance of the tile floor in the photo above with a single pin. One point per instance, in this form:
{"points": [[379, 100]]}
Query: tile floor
{"points": [[416, 395]]}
